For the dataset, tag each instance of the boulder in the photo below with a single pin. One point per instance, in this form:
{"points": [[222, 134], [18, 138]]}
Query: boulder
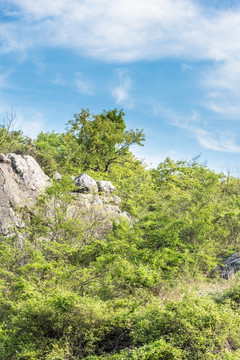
{"points": [[230, 267], [86, 184], [57, 176], [21, 181]]}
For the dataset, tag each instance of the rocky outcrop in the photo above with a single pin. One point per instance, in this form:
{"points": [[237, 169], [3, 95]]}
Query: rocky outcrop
{"points": [[21, 181], [106, 206], [86, 184], [97, 197], [95, 200]]}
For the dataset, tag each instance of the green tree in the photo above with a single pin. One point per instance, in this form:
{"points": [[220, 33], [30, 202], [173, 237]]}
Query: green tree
{"points": [[51, 152], [97, 141], [194, 220]]}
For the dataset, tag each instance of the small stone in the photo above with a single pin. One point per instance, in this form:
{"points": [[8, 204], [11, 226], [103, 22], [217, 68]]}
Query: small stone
{"points": [[57, 176]]}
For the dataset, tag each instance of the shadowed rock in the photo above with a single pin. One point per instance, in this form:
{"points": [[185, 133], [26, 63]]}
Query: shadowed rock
{"points": [[231, 266]]}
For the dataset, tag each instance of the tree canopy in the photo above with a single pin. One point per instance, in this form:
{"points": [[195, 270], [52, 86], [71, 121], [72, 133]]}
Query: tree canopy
{"points": [[100, 140]]}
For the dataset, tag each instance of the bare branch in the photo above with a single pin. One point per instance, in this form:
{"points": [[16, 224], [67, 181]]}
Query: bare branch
{"points": [[8, 122], [10, 119]]}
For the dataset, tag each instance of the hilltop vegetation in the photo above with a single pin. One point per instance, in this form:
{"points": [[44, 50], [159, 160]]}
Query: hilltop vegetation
{"points": [[144, 290]]}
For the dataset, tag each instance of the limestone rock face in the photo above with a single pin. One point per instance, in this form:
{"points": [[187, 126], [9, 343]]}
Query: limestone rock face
{"points": [[105, 208], [95, 198], [21, 181]]}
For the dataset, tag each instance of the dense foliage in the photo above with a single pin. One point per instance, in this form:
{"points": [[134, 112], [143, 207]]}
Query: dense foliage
{"points": [[70, 289]]}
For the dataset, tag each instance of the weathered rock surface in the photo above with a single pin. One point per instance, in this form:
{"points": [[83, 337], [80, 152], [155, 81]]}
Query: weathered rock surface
{"points": [[108, 205], [106, 187], [96, 197], [115, 199], [86, 184], [230, 267], [21, 181]]}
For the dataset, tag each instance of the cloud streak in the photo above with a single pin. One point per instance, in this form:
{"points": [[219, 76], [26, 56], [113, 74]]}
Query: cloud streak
{"points": [[83, 85], [121, 92], [225, 141]]}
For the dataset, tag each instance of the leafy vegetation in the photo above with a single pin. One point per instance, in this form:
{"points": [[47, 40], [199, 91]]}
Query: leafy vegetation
{"points": [[70, 288]]}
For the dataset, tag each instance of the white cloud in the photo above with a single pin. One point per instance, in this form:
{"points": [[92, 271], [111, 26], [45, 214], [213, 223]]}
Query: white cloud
{"points": [[133, 30], [123, 30], [4, 80], [186, 67], [31, 123], [84, 86], [121, 91], [211, 139], [222, 83], [224, 107], [217, 140]]}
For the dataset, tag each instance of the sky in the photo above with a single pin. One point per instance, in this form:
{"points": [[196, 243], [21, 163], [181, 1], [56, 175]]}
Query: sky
{"points": [[173, 66]]}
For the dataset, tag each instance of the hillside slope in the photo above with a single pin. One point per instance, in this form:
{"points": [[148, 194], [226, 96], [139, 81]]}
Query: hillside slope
{"points": [[85, 276]]}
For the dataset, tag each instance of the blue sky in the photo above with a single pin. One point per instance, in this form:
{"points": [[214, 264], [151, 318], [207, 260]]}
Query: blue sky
{"points": [[172, 65]]}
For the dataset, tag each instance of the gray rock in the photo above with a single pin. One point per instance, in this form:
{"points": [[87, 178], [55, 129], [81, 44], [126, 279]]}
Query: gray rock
{"points": [[85, 183], [106, 187], [21, 181], [4, 158], [230, 267], [57, 176], [115, 199], [97, 201], [125, 215], [102, 206]]}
